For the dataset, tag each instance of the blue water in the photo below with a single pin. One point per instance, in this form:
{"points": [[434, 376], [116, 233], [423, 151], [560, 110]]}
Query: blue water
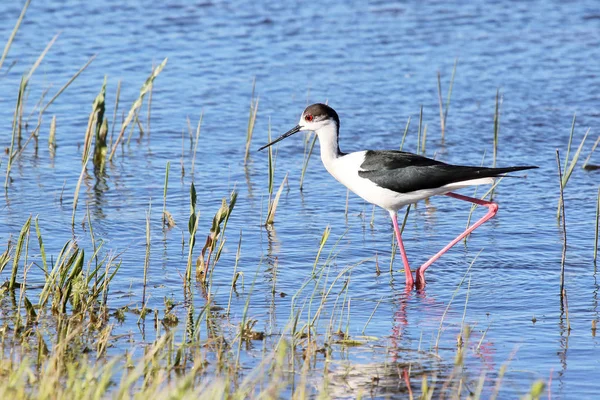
{"points": [[376, 64]]}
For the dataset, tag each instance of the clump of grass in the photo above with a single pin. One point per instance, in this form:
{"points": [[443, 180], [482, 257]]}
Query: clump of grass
{"points": [[146, 87], [71, 360], [215, 240], [19, 109]]}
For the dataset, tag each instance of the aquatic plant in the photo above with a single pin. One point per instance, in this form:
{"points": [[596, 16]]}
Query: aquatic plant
{"points": [[444, 109], [251, 121], [569, 166], [137, 104]]}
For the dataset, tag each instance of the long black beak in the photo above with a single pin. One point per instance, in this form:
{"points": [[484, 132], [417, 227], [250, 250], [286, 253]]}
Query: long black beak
{"points": [[280, 138]]}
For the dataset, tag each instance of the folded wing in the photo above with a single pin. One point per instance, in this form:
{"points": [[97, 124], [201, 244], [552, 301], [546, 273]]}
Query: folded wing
{"points": [[405, 172]]}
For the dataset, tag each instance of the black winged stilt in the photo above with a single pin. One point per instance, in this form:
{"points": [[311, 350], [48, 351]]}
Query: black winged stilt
{"points": [[393, 179]]}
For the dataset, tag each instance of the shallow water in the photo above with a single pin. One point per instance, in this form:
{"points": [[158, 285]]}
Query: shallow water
{"points": [[376, 64]]}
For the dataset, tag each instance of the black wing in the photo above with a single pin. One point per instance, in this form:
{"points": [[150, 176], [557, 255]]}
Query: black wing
{"points": [[405, 172]]}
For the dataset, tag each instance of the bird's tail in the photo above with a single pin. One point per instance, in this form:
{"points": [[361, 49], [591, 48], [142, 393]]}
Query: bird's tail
{"points": [[497, 172]]}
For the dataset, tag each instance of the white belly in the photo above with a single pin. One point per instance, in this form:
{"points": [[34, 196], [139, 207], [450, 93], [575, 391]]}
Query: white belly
{"points": [[345, 169]]}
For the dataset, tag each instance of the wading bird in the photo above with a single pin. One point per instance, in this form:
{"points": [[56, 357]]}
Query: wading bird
{"points": [[393, 179]]}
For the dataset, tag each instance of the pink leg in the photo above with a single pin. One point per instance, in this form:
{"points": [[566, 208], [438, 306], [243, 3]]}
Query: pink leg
{"points": [[407, 271], [492, 210]]}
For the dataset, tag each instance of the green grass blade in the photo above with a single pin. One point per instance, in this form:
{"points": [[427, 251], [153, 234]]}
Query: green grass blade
{"points": [[273, 205], [43, 110], [405, 133], [450, 93], [116, 109], [587, 160], [573, 162], [197, 140], [305, 166], [597, 227], [41, 57], [441, 103], [571, 134], [271, 162], [14, 131], [137, 104], [81, 175], [419, 131], [11, 38], [24, 233], [251, 121], [165, 217], [321, 245], [496, 127], [42, 250]]}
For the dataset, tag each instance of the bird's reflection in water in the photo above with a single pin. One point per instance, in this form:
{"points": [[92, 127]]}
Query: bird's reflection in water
{"points": [[479, 349]]}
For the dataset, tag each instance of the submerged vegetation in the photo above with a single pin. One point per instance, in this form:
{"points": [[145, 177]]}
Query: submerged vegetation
{"points": [[56, 336]]}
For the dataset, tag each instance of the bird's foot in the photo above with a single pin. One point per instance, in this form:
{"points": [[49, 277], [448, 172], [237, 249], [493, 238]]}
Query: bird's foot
{"points": [[409, 280], [420, 281]]}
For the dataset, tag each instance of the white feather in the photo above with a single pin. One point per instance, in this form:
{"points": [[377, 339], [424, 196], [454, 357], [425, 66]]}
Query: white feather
{"points": [[345, 169]]}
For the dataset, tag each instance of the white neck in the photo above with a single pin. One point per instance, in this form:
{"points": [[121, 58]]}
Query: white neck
{"points": [[328, 140]]}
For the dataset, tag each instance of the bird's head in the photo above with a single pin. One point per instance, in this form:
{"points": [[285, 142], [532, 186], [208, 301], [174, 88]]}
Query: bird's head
{"points": [[320, 118]]}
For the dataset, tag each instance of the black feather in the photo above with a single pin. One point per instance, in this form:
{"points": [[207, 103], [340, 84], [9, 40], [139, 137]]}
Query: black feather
{"points": [[405, 172]]}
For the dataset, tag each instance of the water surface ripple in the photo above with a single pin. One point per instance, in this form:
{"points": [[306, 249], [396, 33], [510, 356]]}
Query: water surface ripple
{"points": [[376, 64]]}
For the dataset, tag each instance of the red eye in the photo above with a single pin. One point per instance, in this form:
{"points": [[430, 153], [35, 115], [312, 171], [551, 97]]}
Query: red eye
{"points": [[308, 117]]}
